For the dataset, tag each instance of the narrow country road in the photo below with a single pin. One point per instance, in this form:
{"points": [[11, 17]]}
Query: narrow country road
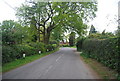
{"points": [[63, 64]]}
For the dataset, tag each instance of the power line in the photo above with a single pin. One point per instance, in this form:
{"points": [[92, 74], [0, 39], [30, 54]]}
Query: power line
{"points": [[8, 5]]}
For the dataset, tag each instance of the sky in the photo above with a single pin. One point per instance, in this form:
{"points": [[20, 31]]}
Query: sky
{"points": [[106, 18]]}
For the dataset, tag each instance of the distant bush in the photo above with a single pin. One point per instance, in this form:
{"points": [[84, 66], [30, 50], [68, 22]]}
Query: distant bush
{"points": [[103, 50]]}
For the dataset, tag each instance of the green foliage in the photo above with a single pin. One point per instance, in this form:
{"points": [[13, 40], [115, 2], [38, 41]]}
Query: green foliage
{"points": [[51, 47], [72, 39], [57, 33], [103, 50], [101, 36], [44, 17], [34, 38], [38, 46], [17, 63], [53, 42], [24, 49], [117, 32], [8, 54], [79, 44], [65, 45], [12, 32], [92, 30]]}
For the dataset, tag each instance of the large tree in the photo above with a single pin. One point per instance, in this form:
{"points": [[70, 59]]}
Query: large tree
{"points": [[46, 16]]}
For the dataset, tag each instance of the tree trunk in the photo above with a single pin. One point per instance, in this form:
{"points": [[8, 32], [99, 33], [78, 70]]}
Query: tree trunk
{"points": [[47, 37], [38, 34], [44, 35]]}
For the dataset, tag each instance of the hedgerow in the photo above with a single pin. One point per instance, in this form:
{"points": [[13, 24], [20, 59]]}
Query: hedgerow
{"points": [[14, 52], [105, 51]]}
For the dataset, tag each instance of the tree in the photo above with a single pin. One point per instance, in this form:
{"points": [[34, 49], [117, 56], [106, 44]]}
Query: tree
{"points": [[57, 34], [103, 33], [92, 30], [72, 39], [12, 32], [117, 32], [47, 16]]}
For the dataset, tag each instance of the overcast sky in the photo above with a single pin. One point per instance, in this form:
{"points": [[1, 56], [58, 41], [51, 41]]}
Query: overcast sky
{"points": [[106, 15]]}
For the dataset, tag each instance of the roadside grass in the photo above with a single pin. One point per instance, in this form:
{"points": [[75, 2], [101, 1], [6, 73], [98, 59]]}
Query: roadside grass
{"points": [[73, 47], [69, 46], [102, 71], [17, 63]]}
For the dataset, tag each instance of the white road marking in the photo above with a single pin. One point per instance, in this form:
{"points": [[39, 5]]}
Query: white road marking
{"points": [[48, 69], [59, 57], [51, 66]]}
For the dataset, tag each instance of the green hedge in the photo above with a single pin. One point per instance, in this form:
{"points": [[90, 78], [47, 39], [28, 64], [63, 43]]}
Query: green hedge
{"points": [[103, 50], [79, 44], [13, 52], [10, 53]]}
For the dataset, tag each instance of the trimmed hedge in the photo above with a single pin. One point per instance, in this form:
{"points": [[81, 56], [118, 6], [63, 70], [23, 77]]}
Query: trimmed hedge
{"points": [[104, 51], [79, 44]]}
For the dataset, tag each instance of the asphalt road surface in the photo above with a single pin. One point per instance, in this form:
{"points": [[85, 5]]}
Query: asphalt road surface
{"points": [[63, 64]]}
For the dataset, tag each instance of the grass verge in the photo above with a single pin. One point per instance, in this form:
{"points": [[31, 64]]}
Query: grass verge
{"points": [[17, 63], [69, 46], [73, 47], [102, 71]]}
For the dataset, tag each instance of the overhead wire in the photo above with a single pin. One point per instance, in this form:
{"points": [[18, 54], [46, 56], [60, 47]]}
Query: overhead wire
{"points": [[8, 5]]}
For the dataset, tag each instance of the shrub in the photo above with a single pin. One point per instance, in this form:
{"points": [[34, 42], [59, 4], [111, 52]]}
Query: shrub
{"points": [[24, 49], [50, 47], [38, 46], [8, 54], [13, 52], [53, 42]]}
